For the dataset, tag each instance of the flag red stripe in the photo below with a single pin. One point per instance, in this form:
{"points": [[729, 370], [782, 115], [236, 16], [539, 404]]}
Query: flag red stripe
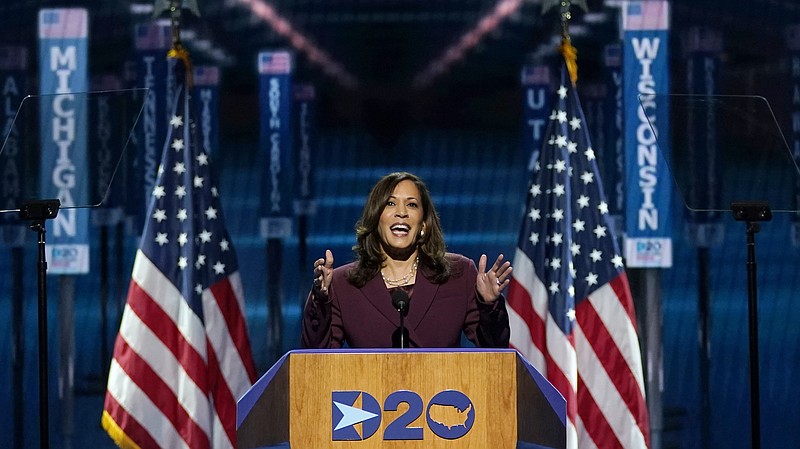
{"points": [[163, 326], [561, 382], [520, 300], [594, 421], [622, 291], [160, 394], [613, 362], [224, 402], [228, 304], [132, 428]]}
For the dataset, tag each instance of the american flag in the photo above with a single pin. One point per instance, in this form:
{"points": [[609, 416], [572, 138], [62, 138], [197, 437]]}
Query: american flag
{"points": [[570, 307], [275, 62], [182, 357]]}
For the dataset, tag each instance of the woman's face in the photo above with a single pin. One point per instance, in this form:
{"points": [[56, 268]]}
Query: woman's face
{"points": [[401, 219]]}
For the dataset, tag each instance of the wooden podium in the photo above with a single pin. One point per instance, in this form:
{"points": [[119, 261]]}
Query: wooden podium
{"points": [[411, 398]]}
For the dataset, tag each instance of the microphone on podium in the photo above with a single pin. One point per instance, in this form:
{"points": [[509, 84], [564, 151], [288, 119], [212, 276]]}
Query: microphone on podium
{"points": [[400, 302]]}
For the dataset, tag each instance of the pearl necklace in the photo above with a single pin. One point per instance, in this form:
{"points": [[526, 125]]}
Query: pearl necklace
{"points": [[403, 280]]}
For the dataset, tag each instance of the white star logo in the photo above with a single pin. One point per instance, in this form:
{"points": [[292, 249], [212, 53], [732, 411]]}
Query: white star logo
{"points": [[587, 177], [176, 121], [201, 260], [558, 215], [575, 123], [198, 181], [562, 92], [575, 249], [579, 225], [559, 189], [560, 165], [603, 207], [536, 190], [561, 116], [555, 263], [182, 214], [219, 268], [211, 213], [571, 312], [596, 255], [591, 279], [351, 415], [180, 191], [182, 263], [534, 215], [183, 238], [224, 245], [553, 287], [557, 239], [202, 159], [617, 261], [534, 238], [561, 141], [179, 168], [589, 153], [583, 201]]}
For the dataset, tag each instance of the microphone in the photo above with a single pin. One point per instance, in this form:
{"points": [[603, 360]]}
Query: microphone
{"points": [[400, 302]]}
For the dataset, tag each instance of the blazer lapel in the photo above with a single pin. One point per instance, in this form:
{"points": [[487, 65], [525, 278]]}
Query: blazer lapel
{"points": [[421, 300], [376, 293]]}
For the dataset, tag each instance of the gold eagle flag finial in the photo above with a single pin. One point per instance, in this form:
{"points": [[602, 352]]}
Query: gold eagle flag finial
{"points": [[569, 52], [175, 8]]}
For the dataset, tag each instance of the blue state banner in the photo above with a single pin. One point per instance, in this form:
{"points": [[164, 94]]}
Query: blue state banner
{"points": [[205, 100], [275, 106], [13, 167], [63, 63], [648, 241], [152, 41]]}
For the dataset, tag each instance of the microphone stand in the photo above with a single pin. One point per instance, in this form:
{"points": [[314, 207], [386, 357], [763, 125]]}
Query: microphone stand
{"points": [[38, 211], [402, 328]]}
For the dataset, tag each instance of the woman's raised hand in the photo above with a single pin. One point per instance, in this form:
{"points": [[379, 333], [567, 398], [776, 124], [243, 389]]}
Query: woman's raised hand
{"points": [[490, 283], [323, 272]]}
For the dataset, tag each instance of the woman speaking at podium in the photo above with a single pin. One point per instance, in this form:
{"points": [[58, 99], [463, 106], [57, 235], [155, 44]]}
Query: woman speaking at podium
{"points": [[402, 272]]}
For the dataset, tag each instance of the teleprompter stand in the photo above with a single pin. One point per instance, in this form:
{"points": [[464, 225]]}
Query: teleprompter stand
{"points": [[57, 172], [37, 212], [726, 153]]}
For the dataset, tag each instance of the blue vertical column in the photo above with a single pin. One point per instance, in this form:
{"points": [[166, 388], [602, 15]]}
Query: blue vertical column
{"points": [[275, 145], [613, 142], [13, 172], [206, 105], [536, 87], [152, 40], [792, 34], [305, 153]]}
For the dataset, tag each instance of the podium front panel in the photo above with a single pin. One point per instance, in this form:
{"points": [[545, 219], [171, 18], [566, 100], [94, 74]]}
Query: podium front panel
{"points": [[406, 399]]}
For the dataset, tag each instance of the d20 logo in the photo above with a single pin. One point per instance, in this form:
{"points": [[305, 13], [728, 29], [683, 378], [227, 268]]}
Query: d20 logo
{"points": [[346, 414]]}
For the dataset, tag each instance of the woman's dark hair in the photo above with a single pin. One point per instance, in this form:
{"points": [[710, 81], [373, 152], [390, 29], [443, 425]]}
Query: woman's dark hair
{"points": [[368, 252]]}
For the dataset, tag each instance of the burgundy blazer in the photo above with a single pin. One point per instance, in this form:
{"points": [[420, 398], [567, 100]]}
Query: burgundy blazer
{"points": [[437, 313]]}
